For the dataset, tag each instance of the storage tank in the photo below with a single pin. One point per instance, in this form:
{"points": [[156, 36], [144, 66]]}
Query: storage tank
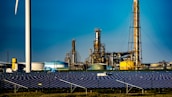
{"points": [[37, 66], [127, 65], [155, 65], [98, 67]]}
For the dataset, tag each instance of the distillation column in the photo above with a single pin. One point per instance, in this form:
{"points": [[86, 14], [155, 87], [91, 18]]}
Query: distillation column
{"points": [[97, 47], [97, 43], [73, 53], [136, 35]]}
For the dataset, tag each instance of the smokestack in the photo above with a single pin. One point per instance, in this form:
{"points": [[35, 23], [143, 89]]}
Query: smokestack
{"points": [[136, 34], [97, 43], [73, 46], [28, 35], [73, 52]]}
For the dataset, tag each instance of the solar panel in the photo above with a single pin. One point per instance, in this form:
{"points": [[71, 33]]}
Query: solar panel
{"points": [[144, 79]]}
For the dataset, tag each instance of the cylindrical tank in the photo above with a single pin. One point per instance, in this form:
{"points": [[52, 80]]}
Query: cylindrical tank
{"points": [[155, 65], [37, 66], [98, 67]]}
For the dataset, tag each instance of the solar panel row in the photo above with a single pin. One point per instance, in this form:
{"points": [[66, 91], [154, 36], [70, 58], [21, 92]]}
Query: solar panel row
{"points": [[144, 79]]}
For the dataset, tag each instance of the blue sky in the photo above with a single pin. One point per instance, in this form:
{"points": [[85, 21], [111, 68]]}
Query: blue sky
{"points": [[56, 22]]}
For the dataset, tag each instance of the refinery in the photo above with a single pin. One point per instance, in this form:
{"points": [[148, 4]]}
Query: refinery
{"points": [[100, 70], [98, 58]]}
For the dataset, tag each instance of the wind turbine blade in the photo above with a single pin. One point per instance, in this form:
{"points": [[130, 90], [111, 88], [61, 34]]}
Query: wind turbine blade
{"points": [[16, 6]]}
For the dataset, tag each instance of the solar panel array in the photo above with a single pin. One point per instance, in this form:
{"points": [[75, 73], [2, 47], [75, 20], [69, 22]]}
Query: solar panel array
{"points": [[144, 79]]}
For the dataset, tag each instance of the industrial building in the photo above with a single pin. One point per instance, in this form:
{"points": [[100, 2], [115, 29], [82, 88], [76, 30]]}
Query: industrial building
{"points": [[55, 66], [15, 66], [98, 56], [128, 60], [73, 58]]}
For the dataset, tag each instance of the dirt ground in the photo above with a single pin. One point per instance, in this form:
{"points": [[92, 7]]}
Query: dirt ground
{"points": [[40, 94]]}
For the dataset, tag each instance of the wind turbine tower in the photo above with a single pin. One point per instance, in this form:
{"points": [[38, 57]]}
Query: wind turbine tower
{"points": [[136, 31], [27, 33]]}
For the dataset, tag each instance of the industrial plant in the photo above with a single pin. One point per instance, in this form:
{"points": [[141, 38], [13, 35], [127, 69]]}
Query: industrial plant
{"points": [[98, 58]]}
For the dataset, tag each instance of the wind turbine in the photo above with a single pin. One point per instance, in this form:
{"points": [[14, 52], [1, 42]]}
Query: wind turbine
{"points": [[27, 33]]}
